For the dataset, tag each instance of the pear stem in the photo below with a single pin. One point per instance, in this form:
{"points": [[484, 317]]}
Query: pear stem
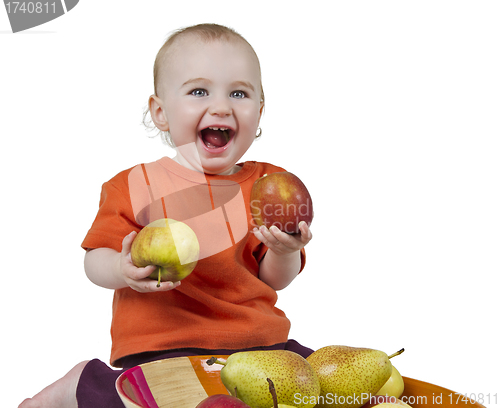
{"points": [[272, 390], [397, 353], [214, 360], [159, 277]]}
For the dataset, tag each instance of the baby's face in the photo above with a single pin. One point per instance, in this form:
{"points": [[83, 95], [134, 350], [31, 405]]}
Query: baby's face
{"points": [[211, 96]]}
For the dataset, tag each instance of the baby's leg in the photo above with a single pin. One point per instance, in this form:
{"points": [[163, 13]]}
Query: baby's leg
{"points": [[61, 394]]}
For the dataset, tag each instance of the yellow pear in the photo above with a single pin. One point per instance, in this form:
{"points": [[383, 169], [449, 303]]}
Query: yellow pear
{"points": [[272, 390], [393, 405], [394, 386], [170, 245], [349, 375], [383, 401], [245, 375]]}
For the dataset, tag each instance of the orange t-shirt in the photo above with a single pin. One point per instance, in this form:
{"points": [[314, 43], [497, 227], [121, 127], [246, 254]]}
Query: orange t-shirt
{"points": [[222, 304]]}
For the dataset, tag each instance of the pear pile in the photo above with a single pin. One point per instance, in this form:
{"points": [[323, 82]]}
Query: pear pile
{"points": [[331, 377]]}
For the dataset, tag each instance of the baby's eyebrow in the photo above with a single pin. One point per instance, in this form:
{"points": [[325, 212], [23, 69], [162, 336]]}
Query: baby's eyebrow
{"points": [[235, 84], [196, 81], [244, 84]]}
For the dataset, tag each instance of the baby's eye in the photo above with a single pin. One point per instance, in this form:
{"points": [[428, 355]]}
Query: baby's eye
{"points": [[199, 92], [238, 94]]}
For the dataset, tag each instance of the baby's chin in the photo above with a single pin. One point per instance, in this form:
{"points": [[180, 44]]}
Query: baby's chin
{"points": [[222, 169]]}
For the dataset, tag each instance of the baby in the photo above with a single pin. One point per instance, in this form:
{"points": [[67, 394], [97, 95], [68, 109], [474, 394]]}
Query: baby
{"points": [[208, 102]]}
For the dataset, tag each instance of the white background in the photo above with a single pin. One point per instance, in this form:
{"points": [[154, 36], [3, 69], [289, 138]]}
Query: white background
{"points": [[388, 111]]}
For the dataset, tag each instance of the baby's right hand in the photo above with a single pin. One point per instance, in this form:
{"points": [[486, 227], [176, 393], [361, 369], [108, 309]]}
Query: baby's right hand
{"points": [[137, 278]]}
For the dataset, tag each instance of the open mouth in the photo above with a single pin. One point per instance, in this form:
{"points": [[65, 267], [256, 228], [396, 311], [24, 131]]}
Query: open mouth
{"points": [[216, 137]]}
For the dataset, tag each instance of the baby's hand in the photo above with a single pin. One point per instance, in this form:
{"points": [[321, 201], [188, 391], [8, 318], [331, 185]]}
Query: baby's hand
{"points": [[282, 243], [137, 278]]}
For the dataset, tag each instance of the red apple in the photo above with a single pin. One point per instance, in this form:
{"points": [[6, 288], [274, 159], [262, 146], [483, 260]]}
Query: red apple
{"points": [[222, 401], [281, 199]]}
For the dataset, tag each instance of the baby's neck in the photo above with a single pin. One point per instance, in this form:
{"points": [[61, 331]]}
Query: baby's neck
{"points": [[235, 169], [180, 160]]}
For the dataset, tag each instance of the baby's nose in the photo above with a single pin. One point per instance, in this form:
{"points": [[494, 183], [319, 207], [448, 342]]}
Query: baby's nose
{"points": [[220, 107]]}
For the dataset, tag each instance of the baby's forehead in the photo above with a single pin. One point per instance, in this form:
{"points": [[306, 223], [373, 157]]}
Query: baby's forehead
{"points": [[187, 40]]}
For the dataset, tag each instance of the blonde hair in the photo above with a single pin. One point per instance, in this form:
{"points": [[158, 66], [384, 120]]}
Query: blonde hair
{"points": [[205, 32]]}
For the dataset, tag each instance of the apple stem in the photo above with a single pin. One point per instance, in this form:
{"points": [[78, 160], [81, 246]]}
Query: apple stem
{"points": [[397, 353], [214, 360], [272, 390]]}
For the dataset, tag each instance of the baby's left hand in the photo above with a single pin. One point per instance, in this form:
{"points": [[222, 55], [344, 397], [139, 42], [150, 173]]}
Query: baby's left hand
{"points": [[282, 243]]}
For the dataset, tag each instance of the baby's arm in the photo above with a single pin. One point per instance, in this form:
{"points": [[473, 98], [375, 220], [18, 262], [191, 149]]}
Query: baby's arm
{"points": [[114, 270], [282, 262]]}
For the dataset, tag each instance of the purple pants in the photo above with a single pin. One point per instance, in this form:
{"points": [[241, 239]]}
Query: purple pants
{"points": [[96, 387]]}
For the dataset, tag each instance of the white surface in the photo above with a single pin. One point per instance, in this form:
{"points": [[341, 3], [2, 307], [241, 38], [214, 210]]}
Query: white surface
{"points": [[387, 110]]}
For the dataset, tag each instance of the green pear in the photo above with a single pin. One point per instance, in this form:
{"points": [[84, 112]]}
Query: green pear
{"points": [[170, 245], [245, 374], [394, 386], [349, 375], [272, 390]]}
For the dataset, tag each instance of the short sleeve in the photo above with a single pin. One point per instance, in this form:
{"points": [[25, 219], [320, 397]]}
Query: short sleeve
{"points": [[114, 219]]}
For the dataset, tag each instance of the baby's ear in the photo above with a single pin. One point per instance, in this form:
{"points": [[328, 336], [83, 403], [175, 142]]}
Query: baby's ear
{"points": [[156, 110], [261, 109]]}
